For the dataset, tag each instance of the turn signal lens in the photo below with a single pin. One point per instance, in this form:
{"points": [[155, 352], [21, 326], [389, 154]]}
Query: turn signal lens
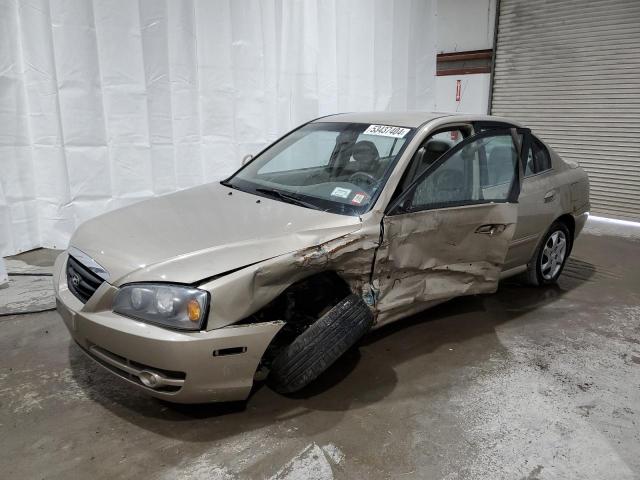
{"points": [[193, 310]]}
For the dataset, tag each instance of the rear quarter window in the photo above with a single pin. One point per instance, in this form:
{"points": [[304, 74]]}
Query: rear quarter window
{"points": [[538, 158]]}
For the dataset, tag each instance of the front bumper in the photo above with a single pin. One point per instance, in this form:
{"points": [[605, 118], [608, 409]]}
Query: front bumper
{"points": [[182, 367]]}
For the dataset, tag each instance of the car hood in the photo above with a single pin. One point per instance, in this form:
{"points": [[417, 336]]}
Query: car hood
{"points": [[202, 232]]}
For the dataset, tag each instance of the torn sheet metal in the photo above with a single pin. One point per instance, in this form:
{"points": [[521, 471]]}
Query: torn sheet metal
{"points": [[247, 290], [430, 256], [425, 258]]}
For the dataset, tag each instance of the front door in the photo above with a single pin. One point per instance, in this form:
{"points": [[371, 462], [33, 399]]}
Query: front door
{"points": [[448, 233]]}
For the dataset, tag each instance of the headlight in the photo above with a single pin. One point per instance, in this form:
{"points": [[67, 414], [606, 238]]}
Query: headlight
{"points": [[173, 306]]}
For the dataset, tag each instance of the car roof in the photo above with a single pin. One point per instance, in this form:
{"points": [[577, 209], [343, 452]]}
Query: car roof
{"points": [[408, 119]]}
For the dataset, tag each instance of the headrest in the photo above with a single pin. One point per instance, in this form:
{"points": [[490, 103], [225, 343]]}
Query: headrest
{"points": [[437, 146], [365, 150]]}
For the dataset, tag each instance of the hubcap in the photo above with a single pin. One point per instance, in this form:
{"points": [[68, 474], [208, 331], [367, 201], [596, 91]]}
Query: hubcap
{"points": [[553, 255]]}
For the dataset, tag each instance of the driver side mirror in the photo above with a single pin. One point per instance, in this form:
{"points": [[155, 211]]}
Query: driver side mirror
{"points": [[246, 159]]}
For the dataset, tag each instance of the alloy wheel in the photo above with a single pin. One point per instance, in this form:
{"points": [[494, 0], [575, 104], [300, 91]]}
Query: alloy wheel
{"points": [[553, 255]]}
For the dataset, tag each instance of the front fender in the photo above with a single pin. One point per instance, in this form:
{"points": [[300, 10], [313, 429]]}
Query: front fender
{"points": [[244, 292]]}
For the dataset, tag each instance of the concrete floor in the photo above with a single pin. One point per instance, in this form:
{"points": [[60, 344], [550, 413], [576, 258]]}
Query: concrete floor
{"points": [[524, 384]]}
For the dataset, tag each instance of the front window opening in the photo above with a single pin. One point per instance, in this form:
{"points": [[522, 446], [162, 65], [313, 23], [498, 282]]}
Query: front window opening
{"points": [[335, 167], [482, 171]]}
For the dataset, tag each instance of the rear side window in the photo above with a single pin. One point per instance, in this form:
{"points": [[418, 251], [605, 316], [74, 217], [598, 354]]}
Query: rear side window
{"points": [[538, 159]]}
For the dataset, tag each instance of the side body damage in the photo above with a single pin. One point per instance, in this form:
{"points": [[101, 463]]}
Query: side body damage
{"points": [[274, 270], [346, 261], [399, 265], [295, 289], [431, 256]]}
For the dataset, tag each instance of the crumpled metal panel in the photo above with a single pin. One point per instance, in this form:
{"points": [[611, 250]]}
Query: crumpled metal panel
{"points": [[246, 291], [428, 257], [425, 258]]}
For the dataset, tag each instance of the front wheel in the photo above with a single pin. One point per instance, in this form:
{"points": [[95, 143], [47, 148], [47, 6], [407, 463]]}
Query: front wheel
{"points": [[550, 256], [320, 345]]}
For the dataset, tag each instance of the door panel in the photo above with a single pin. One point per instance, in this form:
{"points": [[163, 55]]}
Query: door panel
{"points": [[534, 218], [539, 204], [448, 234], [433, 255]]}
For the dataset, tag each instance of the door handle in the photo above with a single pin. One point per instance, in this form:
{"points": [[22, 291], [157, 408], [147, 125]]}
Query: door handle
{"points": [[491, 229], [549, 196]]}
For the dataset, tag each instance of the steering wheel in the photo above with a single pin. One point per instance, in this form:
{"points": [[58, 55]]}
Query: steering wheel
{"points": [[367, 179]]}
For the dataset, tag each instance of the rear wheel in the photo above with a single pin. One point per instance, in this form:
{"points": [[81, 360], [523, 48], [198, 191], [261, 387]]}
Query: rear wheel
{"points": [[550, 256], [320, 345]]}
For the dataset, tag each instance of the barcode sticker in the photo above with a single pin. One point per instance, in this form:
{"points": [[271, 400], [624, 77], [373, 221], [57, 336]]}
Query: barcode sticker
{"points": [[386, 131]]}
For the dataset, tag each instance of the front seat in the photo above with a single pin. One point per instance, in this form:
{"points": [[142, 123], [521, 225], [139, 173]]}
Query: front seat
{"points": [[433, 151], [366, 156], [423, 159]]}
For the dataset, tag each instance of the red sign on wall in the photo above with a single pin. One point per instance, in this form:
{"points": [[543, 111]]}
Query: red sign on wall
{"points": [[458, 89]]}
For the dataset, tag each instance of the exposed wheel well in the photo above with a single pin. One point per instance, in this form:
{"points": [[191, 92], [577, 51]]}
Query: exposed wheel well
{"points": [[308, 297], [300, 305], [570, 223]]}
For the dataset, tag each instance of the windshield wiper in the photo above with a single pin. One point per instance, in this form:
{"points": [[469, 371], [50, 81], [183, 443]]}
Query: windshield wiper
{"points": [[228, 184], [287, 198]]}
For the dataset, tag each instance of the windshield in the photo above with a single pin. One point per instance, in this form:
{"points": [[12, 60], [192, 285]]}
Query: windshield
{"points": [[336, 167]]}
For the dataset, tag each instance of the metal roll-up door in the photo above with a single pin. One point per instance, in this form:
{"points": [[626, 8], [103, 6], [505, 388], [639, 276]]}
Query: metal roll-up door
{"points": [[570, 70]]}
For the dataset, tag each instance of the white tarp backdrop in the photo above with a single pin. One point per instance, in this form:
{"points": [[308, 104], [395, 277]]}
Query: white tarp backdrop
{"points": [[104, 102]]}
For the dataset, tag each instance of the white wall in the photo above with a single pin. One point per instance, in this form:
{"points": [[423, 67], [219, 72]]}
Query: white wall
{"points": [[474, 93], [464, 25]]}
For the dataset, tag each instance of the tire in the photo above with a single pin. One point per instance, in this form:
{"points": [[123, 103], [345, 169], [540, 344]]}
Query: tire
{"points": [[320, 345], [543, 269]]}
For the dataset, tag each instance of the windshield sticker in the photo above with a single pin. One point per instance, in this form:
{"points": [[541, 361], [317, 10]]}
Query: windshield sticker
{"points": [[358, 198], [386, 131], [341, 192]]}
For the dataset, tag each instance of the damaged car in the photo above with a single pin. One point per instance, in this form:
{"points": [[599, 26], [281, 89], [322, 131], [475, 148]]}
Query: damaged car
{"points": [[345, 224]]}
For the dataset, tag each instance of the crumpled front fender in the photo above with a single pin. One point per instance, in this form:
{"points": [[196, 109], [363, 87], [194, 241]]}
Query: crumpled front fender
{"points": [[239, 294]]}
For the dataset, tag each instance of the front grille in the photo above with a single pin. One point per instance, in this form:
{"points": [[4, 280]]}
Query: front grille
{"points": [[82, 282]]}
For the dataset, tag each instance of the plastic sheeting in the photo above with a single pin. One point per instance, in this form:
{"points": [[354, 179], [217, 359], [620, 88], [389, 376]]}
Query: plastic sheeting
{"points": [[4, 278], [107, 102]]}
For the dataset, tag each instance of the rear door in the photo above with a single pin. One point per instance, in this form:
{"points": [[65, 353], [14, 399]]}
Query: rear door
{"points": [[539, 203], [448, 233]]}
